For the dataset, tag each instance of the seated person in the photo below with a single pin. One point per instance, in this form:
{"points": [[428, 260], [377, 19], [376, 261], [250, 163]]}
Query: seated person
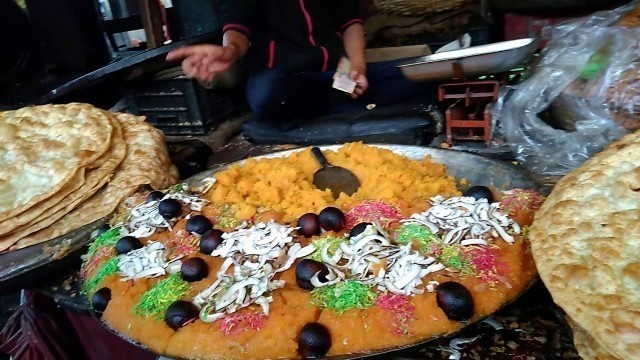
{"points": [[292, 48]]}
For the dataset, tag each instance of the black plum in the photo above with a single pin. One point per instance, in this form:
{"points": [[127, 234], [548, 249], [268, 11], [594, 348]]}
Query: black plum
{"points": [[100, 299], [358, 229], [180, 313], [314, 340], [127, 244], [102, 229], [332, 219], [455, 300], [170, 208], [155, 196], [480, 192], [210, 241], [198, 224], [309, 225], [306, 269], [194, 269]]}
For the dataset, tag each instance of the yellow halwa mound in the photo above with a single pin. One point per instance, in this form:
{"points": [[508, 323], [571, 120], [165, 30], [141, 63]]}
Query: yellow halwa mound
{"points": [[286, 184]]}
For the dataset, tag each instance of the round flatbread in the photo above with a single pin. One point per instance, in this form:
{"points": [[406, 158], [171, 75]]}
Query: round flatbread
{"points": [[95, 179], [586, 243], [587, 347], [42, 148], [146, 162], [26, 217]]}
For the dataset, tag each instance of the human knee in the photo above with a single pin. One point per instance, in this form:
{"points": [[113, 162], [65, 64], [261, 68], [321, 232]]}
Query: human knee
{"points": [[266, 91]]}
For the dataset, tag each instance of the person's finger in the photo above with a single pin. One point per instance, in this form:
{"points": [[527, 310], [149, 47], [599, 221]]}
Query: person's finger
{"points": [[194, 70], [194, 50], [187, 68], [218, 67], [182, 53], [354, 74], [191, 62], [193, 73], [363, 83], [203, 75]]}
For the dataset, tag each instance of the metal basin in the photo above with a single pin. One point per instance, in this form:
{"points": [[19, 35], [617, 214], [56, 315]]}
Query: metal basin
{"points": [[474, 61]]}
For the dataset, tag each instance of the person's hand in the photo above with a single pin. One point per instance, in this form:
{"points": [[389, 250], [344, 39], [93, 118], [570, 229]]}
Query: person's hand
{"points": [[362, 84], [203, 62]]}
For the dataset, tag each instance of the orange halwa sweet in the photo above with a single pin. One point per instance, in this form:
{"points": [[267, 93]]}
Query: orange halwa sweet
{"points": [[286, 184], [256, 290]]}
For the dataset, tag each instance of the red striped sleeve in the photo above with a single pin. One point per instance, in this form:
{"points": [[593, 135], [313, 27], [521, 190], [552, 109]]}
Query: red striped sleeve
{"points": [[346, 25], [239, 28]]}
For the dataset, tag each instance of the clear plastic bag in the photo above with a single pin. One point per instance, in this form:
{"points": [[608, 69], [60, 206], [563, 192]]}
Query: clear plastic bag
{"points": [[574, 81]]}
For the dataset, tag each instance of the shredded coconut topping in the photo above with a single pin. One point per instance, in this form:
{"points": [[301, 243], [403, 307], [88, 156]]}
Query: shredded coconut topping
{"points": [[466, 220], [207, 184], [257, 255], [145, 219], [147, 262], [374, 261]]}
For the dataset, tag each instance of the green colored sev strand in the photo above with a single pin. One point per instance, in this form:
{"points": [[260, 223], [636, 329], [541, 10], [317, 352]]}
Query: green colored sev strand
{"points": [[179, 187], [416, 233], [108, 268], [454, 259], [155, 302], [227, 219], [343, 296], [334, 244], [107, 238]]}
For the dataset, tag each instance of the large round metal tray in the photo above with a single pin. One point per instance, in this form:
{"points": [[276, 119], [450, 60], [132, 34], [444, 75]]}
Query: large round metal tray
{"points": [[473, 169], [20, 268]]}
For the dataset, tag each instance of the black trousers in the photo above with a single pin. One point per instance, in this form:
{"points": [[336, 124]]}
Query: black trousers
{"points": [[276, 96]]}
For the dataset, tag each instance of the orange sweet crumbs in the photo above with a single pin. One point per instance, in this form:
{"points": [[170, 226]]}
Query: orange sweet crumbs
{"points": [[286, 184]]}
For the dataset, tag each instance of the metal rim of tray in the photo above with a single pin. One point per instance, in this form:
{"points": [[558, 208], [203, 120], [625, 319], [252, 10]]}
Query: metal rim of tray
{"points": [[22, 262], [459, 164], [479, 50]]}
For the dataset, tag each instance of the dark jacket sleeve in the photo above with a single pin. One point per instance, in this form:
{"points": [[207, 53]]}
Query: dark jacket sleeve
{"points": [[238, 15], [349, 13]]}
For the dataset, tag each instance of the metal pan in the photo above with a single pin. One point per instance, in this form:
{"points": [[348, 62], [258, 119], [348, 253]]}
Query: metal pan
{"points": [[470, 62], [474, 169], [125, 69], [20, 268]]}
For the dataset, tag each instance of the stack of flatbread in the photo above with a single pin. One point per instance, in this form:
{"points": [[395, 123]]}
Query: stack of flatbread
{"points": [[65, 166], [586, 243]]}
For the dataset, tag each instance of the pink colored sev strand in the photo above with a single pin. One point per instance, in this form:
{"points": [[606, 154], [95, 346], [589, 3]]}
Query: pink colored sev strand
{"points": [[104, 252], [401, 309], [370, 210], [237, 323], [181, 244], [485, 262]]}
